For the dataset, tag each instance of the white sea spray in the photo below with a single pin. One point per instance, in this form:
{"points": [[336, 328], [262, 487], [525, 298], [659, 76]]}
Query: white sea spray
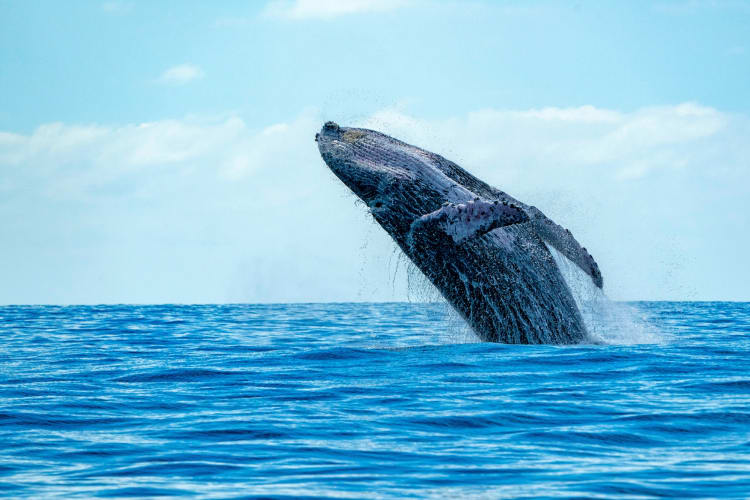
{"points": [[607, 321]]}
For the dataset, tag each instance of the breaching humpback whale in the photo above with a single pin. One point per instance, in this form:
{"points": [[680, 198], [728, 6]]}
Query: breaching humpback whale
{"points": [[485, 251]]}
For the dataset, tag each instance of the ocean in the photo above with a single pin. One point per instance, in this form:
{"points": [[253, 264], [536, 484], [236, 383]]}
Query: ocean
{"points": [[389, 400]]}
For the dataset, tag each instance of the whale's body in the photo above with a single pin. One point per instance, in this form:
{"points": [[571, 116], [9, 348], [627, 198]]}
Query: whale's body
{"points": [[486, 252]]}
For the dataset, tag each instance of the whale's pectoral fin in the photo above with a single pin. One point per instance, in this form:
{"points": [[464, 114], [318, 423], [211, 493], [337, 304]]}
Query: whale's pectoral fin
{"points": [[563, 241], [460, 222]]}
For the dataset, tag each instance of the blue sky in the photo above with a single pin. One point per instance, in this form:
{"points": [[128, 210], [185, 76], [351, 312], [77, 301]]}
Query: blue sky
{"points": [[163, 151]]}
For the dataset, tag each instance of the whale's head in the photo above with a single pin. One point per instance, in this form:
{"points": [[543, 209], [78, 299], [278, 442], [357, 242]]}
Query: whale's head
{"points": [[398, 182]]}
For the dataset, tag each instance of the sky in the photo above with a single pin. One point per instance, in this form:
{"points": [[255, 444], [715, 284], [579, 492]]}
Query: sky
{"points": [[163, 152]]}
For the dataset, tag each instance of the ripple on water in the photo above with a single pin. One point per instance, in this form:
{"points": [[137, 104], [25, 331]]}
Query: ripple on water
{"points": [[356, 399]]}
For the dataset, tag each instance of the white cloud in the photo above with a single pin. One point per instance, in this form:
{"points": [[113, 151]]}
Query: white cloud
{"points": [[683, 7], [233, 22], [180, 74], [102, 155], [307, 9], [116, 7], [736, 50], [658, 194], [583, 136]]}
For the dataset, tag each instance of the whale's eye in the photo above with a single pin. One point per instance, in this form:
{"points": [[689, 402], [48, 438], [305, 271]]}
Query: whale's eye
{"points": [[378, 204]]}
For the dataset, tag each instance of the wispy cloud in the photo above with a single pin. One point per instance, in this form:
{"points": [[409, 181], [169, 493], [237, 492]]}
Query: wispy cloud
{"points": [[737, 50], [180, 74], [310, 9], [116, 7], [104, 155], [619, 145], [684, 7], [233, 22], [509, 145]]}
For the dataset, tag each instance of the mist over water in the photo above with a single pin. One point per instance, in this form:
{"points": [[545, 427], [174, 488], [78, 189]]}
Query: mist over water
{"points": [[607, 321]]}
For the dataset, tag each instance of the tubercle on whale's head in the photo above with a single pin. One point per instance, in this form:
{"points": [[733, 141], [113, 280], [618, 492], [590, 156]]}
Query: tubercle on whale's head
{"points": [[397, 181]]}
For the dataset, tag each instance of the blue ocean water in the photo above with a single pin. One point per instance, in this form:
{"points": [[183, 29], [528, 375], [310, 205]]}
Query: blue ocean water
{"points": [[365, 400]]}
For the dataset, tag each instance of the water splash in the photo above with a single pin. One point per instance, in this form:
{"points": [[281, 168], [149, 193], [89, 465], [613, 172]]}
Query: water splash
{"points": [[607, 321], [421, 290]]}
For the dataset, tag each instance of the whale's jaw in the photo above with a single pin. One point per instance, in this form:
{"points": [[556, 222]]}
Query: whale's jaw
{"points": [[483, 249]]}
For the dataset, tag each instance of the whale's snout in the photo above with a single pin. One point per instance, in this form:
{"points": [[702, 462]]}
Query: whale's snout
{"points": [[343, 151], [329, 131]]}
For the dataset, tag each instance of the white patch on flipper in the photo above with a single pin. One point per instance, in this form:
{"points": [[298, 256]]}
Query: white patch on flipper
{"points": [[464, 220], [607, 322]]}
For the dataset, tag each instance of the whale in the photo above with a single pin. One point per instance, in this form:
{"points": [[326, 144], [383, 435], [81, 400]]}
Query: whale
{"points": [[487, 253]]}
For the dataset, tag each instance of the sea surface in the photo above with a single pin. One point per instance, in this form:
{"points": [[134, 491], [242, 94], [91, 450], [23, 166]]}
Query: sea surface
{"points": [[367, 400]]}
